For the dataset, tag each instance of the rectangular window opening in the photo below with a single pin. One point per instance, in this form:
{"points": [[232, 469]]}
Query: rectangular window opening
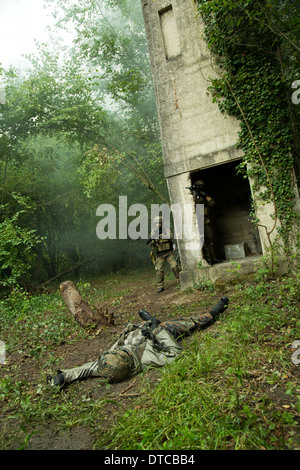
{"points": [[169, 32]]}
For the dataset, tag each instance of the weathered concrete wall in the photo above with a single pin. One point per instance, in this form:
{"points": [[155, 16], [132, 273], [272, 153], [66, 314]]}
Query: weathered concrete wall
{"points": [[194, 134]]}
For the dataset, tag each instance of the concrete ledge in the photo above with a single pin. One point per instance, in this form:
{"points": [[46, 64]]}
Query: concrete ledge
{"points": [[227, 270], [219, 272]]}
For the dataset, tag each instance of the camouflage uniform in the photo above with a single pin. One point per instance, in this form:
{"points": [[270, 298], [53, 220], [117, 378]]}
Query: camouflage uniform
{"points": [[208, 246], [140, 347], [132, 353], [162, 251]]}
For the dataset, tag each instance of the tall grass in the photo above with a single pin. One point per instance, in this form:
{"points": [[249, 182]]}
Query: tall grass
{"points": [[218, 394], [234, 386]]}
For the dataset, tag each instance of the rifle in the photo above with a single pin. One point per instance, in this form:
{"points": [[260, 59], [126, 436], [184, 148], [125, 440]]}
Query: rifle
{"points": [[198, 188], [154, 236]]}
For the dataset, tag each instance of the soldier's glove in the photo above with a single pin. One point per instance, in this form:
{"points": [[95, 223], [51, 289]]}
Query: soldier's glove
{"points": [[146, 331]]}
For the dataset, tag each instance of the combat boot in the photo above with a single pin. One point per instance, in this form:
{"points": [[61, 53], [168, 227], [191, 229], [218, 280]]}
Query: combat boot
{"points": [[220, 307], [148, 317]]}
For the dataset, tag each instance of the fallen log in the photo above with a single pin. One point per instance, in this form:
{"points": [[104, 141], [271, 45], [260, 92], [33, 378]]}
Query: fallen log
{"points": [[81, 310]]}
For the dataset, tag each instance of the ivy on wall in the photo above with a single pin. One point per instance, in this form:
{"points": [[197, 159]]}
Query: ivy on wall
{"points": [[257, 61]]}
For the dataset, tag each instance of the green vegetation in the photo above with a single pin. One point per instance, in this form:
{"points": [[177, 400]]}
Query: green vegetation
{"points": [[39, 322], [221, 393], [256, 51], [234, 387], [78, 129]]}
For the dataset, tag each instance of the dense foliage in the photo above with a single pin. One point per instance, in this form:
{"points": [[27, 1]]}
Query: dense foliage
{"points": [[77, 129], [256, 50]]}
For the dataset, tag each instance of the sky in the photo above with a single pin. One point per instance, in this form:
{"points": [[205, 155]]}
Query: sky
{"points": [[21, 21]]}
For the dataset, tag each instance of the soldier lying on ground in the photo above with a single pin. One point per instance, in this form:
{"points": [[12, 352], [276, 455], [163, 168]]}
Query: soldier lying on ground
{"points": [[150, 344]]}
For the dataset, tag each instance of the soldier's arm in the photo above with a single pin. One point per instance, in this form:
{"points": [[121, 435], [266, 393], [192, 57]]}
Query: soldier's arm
{"points": [[210, 201]]}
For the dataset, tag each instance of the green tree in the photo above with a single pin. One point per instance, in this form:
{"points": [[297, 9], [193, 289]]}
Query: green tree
{"points": [[47, 121], [78, 129], [110, 45], [65, 149]]}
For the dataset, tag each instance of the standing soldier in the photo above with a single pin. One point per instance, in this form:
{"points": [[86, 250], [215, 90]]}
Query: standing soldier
{"points": [[200, 197], [162, 251]]}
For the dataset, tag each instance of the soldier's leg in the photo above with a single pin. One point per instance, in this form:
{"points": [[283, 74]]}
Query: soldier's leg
{"points": [[90, 369], [159, 269], [186, 326], [209, 242], [173, 264], [113, 365], [206, 253]]}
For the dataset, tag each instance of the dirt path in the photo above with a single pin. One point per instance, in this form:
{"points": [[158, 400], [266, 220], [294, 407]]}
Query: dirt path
{"points": [[140, 293]]}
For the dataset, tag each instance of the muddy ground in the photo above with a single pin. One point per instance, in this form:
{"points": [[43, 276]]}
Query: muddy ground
{"points": [[138, 294], [141, 295]]}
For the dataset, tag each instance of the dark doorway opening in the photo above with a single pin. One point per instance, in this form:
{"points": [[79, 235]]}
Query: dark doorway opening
{"points": [[233, 230]]}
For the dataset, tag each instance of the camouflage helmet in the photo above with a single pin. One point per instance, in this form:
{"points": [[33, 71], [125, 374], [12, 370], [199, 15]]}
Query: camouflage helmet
{"points": [[115, 365]]}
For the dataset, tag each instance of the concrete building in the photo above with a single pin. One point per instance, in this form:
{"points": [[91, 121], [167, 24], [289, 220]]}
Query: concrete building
{"points": [[200, 142]]}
